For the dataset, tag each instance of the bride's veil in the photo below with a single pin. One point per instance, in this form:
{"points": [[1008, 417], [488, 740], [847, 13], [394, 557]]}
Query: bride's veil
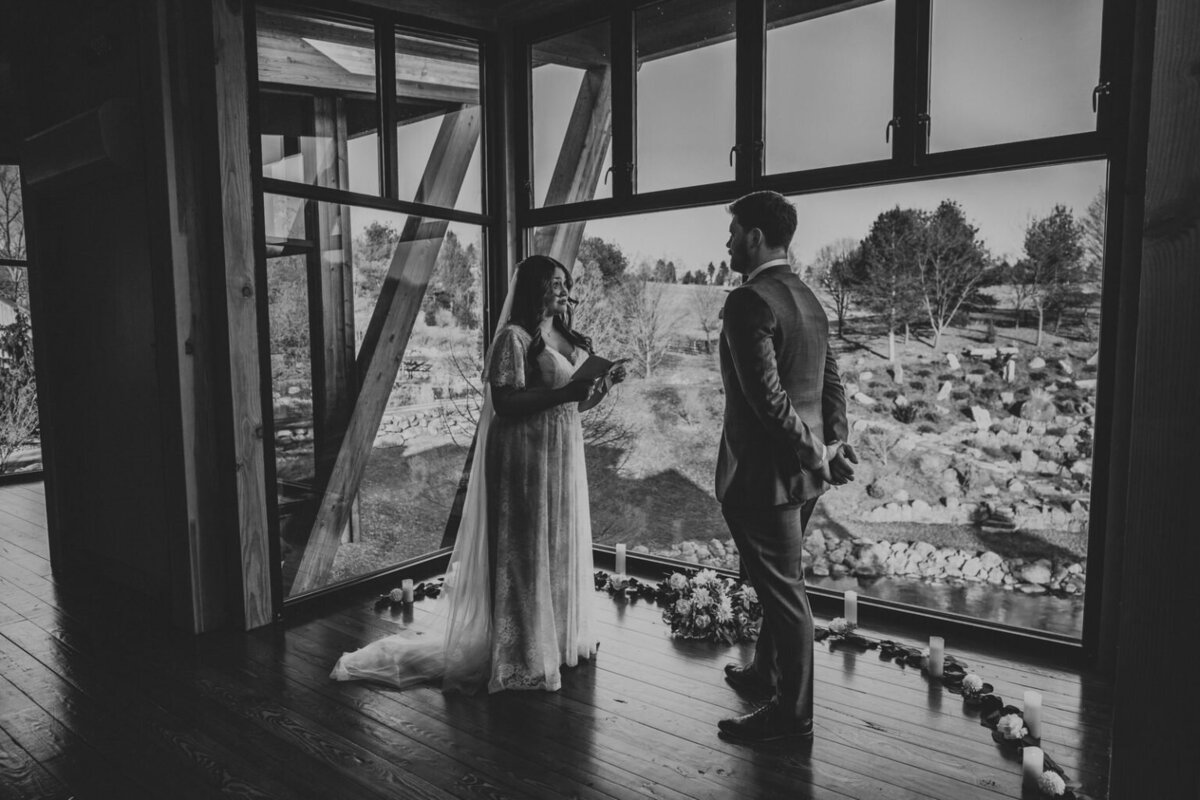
{"points": [[461, 656]]}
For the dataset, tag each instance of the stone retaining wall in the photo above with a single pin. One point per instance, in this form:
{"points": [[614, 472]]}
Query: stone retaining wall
{"points": [[826, 554]]}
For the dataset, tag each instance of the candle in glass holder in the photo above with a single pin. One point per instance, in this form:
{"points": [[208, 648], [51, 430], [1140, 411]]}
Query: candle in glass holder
{"points": [[1033, 713], [937, 654], [1032, 764], [851, 612], [620, 565], [406, 590]]}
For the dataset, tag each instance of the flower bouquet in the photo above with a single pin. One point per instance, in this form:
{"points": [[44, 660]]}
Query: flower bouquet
{"points": [[707, 606]]}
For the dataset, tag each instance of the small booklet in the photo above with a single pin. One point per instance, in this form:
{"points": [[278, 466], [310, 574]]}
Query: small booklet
{"points": [[598, 370]]}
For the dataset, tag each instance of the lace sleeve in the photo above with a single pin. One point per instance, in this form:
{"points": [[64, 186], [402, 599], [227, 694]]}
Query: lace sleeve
{"points": [[506, 361]]}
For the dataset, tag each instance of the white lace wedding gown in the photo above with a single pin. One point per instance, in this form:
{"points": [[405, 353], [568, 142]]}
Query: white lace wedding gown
{"points": [[519, 584]]}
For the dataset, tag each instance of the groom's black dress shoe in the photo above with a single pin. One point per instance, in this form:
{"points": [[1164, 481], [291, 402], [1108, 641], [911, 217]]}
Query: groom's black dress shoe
{"points": [[746, 679], [767, 724]]}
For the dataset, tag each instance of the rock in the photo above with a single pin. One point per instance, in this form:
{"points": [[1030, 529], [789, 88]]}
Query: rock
{"points": [[1036, 573], [1037, 363], [639, 548], [1008, 398], [972, 567], [863, 399], [944, 393], [897, 372], [1016, 487], [293, 390], [1010, 371], [952, 360], [901, 401], [1029, 460], [875, 490], [815, 543], [990, 560], [838, 570], [920, 509], [975, 378], [1086, 383], [1066, 367], [901, 496], [982, 417], [865, 377], [1094, 360]]}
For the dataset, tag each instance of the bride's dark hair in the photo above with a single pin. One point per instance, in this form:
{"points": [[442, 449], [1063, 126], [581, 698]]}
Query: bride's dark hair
{"points": [[535, 275]]}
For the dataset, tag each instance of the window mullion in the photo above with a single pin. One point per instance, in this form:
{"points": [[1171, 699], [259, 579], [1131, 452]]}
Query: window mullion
{"points": [[624, 102], [385, 75], [902, 128], [751, 77]]}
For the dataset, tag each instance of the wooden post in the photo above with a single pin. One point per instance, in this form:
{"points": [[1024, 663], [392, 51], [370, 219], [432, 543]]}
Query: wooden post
{"points": [[577, 171], [233, 125], [387, 338]]}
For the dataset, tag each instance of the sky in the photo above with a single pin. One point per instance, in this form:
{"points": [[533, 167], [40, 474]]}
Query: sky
{"points": [[1000, 71]]}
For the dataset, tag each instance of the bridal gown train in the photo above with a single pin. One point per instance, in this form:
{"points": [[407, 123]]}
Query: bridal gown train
{"points": [[519, 585]]}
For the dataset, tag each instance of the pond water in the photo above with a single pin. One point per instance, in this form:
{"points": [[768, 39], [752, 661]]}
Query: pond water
{"points": [[1046, 613]]}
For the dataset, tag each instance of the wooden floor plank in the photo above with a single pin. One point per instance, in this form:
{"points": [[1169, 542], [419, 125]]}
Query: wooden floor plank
{"points": [[94, 706]]}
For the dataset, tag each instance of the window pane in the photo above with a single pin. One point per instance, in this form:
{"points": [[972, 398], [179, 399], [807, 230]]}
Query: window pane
{"points": [[326, 266], [824, 109], [20, 438], [317, 107], [1006, 72], [12, 214], [438, 122], [571, 113], [989, 466], [686, 74]]}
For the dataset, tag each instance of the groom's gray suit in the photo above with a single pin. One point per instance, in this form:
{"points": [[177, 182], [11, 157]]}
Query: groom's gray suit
{"points": [[783, 401]]}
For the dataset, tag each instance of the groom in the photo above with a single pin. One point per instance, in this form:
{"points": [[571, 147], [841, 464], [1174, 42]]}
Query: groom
{"points": [[781, 447]]}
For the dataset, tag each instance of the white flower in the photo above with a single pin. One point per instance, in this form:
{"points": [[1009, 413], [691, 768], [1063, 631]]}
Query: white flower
{"points": [[1011, 726], [683, 606], [677, 581], [840, 625], [701, 597], [705, 577], [1051, 783], [724, 610], [701, 622], [396, 595], [749, 595], [972, 683]]}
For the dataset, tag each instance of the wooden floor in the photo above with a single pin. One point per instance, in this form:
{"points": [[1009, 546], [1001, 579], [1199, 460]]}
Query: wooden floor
{"points": [[90, 708]]}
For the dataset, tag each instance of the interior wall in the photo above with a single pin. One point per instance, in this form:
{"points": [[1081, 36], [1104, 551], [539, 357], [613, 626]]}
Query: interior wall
{"points": [[1155, 736], [96, 312]]}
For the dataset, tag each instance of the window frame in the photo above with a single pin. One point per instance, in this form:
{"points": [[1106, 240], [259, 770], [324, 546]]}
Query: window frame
{"points": [[29, 476], [490, 219], [911, 162]]}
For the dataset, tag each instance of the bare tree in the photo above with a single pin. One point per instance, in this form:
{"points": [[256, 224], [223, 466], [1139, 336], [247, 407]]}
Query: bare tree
{"points": [[1053, 265], [707, 302], [833, 271], [14, 281], [647, 324]]}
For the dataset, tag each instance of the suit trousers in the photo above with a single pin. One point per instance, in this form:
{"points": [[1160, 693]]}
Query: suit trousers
{"points": [[770, 542]]}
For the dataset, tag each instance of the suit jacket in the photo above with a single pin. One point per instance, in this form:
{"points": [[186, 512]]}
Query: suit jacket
{"points": [[783, 395]]}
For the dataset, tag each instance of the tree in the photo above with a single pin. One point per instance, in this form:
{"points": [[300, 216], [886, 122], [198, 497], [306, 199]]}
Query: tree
{"points": [[885, 273], [606, 256], [1052, 269], [707, 302], [951, 263], [647, 324], [1093, 225], [712, 273], [18, 388], [14, 281], [454, 285], [664, 271], [722, 276], [833, 270]]}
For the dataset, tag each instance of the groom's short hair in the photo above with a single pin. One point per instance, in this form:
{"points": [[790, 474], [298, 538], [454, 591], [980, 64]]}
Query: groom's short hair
{"points": [[768, 211]]}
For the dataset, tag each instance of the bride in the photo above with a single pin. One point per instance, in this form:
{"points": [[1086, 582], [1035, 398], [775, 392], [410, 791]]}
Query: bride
{"points": [[519, 583]]}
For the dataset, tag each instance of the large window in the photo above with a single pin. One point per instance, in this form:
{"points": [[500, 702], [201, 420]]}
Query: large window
{"points": [[972, 393], [20, 447], [374, 279]]}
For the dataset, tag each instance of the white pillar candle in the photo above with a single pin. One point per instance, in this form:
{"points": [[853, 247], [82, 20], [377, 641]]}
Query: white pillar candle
{"points": [[1032, 764], [851, 612], [937, 654], [1033, 713], [406, 589], [620, 566]]}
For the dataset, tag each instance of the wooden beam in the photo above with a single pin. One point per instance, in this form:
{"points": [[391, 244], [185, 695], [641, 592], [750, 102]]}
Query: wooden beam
{"points": [[334, 67], [386, 339], [577, 171], [233, 126]]}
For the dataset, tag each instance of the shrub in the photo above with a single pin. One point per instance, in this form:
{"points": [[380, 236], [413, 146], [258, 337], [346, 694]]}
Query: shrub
{"points": [[905, 414], [917, 386]]}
